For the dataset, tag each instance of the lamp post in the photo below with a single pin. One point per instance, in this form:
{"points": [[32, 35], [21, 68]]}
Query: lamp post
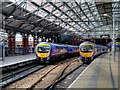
{"points": [[113, 38], [113, 33], [3, 46]]}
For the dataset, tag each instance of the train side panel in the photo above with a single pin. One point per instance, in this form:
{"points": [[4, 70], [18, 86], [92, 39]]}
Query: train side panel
{"points": [[47, 52]]}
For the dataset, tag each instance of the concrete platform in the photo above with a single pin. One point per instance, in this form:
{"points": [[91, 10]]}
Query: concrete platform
{"points": [[101, 73], [16, 59]]}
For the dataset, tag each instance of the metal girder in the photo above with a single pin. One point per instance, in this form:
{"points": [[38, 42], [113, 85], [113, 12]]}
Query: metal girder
{"points": [[90, 11], [105, 12], [105, 6], [53, 11], [100, 26], [57, 17], [14, 29], [102, 30], [74, 13], [38, 10], [12, 11], [70, 21], [31, 13], [83, 11], [64, 13]]}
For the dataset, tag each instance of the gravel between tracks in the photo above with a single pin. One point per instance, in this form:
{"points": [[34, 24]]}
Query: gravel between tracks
{"points": [[45, 76]]}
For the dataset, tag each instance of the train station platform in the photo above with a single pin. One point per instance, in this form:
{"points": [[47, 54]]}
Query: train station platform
{"points": [[11, 60], [101, 73]]}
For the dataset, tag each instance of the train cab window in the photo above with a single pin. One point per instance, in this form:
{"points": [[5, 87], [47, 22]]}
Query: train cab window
{"points": [[43, 49], [86, 48]]}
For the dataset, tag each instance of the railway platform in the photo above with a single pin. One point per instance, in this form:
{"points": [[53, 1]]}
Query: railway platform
{"points": [[101, 73], [11, 60]]}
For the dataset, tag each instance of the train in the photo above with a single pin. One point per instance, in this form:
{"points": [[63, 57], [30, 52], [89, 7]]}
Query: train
{"points": [[47, 52], [89, 50]]}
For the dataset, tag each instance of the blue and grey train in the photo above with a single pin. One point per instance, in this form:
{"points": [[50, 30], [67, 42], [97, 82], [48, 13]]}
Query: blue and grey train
{"points": [[46, 52], [89, 50]]}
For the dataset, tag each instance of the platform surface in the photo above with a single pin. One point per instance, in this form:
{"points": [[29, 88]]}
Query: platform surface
{"points": [[101, 73], [16, 59]]}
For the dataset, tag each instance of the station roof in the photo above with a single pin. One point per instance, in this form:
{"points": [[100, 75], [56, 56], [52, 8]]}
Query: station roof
{"points": [[57, 17]]}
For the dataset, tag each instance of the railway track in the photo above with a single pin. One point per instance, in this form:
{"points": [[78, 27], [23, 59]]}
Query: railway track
{"points": [[17, 74], [48, 77], [59, 79]]}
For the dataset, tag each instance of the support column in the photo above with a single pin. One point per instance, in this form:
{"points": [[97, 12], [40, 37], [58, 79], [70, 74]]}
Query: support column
{"points": [[11, 43], [73, 39], [25, 44], [49, 39], [106, 42], [56, 39], [52, 39], [94, 40], [42, 38], [35, 40]]}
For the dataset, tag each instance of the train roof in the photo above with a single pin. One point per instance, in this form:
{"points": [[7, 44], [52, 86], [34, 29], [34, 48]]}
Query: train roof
{"points": [[86, 42], [56, 44]]}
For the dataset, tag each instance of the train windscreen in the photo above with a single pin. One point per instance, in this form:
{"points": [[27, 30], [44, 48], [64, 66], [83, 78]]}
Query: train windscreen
{"points": [[43, 49], [86, 48]]}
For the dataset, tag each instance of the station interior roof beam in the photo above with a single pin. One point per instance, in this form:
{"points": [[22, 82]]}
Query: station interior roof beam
{"points": [[57, 17]]}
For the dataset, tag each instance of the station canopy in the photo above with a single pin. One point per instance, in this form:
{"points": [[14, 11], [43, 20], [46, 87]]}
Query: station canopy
{"points": [[56, 17]]}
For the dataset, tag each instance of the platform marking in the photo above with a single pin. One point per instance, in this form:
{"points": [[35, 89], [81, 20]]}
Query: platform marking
{"points": [[111, 75], [83, 72], [93, 80]]}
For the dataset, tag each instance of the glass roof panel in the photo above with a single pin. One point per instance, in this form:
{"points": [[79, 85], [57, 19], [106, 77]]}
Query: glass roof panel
{"points": [[83, 6], [94, 16], [51, 18], [63, 17], [73, 23], [83, 17], [42, 13], [48, 7], [56, 12], [58, 3], [28, 6], [70, 13], [62, 24], [65, 9], [72, 29], [67, 27], [18, 1]]}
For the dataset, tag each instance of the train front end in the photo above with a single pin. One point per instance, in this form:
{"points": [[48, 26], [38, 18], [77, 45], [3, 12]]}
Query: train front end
{"points": [[86, 52], [43, 52]]}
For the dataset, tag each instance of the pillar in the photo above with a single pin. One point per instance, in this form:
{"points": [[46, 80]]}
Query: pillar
{"points": [[73, 39], [106, 42], [43, 38], [49, 39], [94, 41], [25, 44], [35, 40], [52, 39], [11, 43], [56, 39]]}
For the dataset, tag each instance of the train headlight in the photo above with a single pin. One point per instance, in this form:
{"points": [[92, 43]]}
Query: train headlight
{"points": [[48, 58], [47, 55], [91, 55], [82, 55]]}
